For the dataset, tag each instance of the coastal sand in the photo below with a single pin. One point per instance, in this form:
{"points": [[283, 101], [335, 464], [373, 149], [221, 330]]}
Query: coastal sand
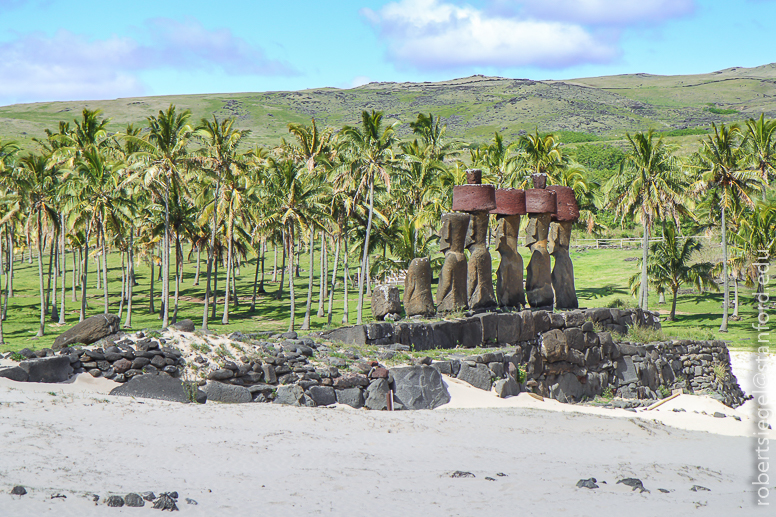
{"points": [[264, 459]]}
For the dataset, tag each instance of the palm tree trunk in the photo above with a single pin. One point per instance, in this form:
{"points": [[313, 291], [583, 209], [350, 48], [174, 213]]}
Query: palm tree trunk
{"points": [[210, 255], [735, 299], [235, 272], [644, 279], [42, 328], [178, 274], [360, 308], [255, 282], [263, 254], [50, 271], [726, 302], [306, 322], [199, 255], [63, 258], [345, 275], [166, 256], [104, 266], [275, 264], [283, 267], [131, 279], [215, 288], [74, 280], [11, 243], [323, 276], [291, 277], [152, 310], [54, 278], [298, 251], [229, 266], [123, 286], [334, 277], [84, 271], [672, 316]]}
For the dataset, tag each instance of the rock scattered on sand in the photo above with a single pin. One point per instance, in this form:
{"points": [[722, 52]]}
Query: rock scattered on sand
{"points": [[587, 483], [18, 490], [166, 502], [461, 474], [191, 501], [115, 501], [698, 488], [634, 483], [88, 331], [488, 478], [665, 491], [148, 496], [153, 386], [58, 496], [134, 500]]}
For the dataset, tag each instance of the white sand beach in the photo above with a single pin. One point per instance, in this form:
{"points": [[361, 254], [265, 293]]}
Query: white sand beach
{"points": [[526, 456]]}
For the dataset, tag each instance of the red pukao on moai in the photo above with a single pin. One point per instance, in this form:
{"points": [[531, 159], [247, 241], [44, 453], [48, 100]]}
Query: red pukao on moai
{"points": [[559, 242], [540, 203], [510, 205], [478, 200]]}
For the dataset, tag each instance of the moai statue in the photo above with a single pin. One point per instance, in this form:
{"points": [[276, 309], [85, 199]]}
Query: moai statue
{"points": [[510, 204], [479, 287], [478, 200], [560, 239], [418, 300], [451, 291], [540, 204]]}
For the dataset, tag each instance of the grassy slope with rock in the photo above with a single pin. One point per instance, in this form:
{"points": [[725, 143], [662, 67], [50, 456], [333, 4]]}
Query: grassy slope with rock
{"points": [[598, 108]]}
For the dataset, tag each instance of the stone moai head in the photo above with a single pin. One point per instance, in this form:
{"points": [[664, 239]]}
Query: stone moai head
{"points": [[507, 231], [537, 230], [478, 230], [453, 234]]}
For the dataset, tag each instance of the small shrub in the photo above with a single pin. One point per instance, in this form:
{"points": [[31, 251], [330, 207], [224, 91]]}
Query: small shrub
{"points": [[693, 333], [621, 303], [608, 394], [664, 391], [16, 356], [641, 334], [720, 372]]}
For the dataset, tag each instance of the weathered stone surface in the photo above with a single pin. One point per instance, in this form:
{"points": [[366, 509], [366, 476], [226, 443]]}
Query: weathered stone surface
{"points": [[479, 286], [376, 395], [563, 270], [542, 321], [471, 333], [509, 276], [418, 300], [489, 326], [540, 201], [227, 393], [292, 395], [451, 290], [474, 198], [507, 387], [567, 388], [322, 395], [353, 397], [444, 334], [509, 201], [47, 369], [115, 501], [554, 346], [508, 327], [184, 325], [575, 338], [574, 318], [538, 283], [355, 335], [88, 331], [385, 300], [351, 380], [626, 371], [14, 373], [478, 375], [153, 386], [419, 387], [527, 329], [566, 203]]}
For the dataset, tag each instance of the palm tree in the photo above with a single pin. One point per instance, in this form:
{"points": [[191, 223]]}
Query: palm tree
{"points": [[755, 241], [649, 186], [500, 161], [295, 199], [760, 146], [164, 152], [39, 185], [372, 149], [669, 265], [543, 155], [8, 208], [720, 160], [227, 168]]}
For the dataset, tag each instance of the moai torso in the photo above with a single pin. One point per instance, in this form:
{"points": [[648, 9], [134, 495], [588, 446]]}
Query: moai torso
{"points": [[480, 280], [540, 204], [559, 242], [451, 291], [417, 289], [509, 277]]}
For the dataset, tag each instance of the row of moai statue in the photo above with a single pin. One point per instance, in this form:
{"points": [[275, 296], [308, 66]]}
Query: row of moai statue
{"points": [[468, 284]]}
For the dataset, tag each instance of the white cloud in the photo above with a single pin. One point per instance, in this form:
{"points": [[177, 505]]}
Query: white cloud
{"points": [[68, 66], [432, 34], [607, 12], [360, 80]]}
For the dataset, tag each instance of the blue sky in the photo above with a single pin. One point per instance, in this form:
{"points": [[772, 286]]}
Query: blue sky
{"points": [[56, 50]]}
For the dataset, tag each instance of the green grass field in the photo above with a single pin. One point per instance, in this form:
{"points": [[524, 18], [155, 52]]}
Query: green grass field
{"points": [[601, 279]]}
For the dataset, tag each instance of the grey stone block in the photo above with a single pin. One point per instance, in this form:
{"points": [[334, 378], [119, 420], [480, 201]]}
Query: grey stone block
{"points": [[227, 393], [153, 386], [508, 328], [489, 325], [419, 387], [376, 395], [471, 333], [291, 394], [353, 397], [355, 335], [14, 373], [626, 371], [47, 369], [507, 388], [322, 395], [477, 375]]}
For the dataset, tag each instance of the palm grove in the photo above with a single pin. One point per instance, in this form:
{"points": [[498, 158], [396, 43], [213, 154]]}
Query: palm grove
{"points": [[359, 193]]}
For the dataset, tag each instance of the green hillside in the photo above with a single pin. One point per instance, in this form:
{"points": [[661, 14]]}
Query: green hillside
{"points": [[473, 107]]}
